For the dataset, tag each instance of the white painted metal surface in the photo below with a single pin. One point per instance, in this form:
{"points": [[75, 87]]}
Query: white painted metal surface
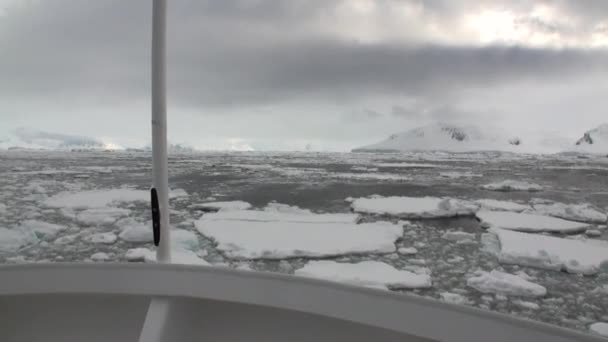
{"points": [[108, 302], [159, 125]]}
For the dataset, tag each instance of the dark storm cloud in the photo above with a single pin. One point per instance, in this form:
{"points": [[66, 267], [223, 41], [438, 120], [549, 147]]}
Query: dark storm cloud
{"points": [[233, 53]]}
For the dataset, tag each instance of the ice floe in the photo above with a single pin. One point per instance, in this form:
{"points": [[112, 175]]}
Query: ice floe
{"points": [[529, 222], [491, 204], [525, 304], [135, 231], [553, 253], [458, 174], [505, 284], [178, 256], [177, 193], [366, 273], [43, 230], [225, 205], [407, 250], [13, 239], [453, 298], [105, 238], [282, 213], [512, 185], [101, 216], [96, 198], [414, 207], [252, 234], [458, 236], [599, 328], [100, 256], [409, 165], [583, 212]]}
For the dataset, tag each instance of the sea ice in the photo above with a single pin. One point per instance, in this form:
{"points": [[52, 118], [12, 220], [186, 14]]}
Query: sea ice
{"points": [[505, 284], [415, 207], [366, 273], [512, 185], [553, 253], [529, 222]]}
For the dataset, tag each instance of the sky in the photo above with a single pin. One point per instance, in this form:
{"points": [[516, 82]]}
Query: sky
{"points": [[316, 74]]}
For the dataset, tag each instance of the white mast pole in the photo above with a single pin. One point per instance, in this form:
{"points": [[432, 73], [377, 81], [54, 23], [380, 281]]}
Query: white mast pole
{"points": [[159, 126]]}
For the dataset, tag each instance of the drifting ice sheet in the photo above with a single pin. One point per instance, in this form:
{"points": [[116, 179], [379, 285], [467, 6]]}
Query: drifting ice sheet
{"points": [[272, 214], [95, 198], [574, 256], [415, 207], [226, 205], [490, 204], [583, 212], [366, 273], [13, 239], [100, 216], [511, 185], [283, 239], [505, 284], [529, 222]]}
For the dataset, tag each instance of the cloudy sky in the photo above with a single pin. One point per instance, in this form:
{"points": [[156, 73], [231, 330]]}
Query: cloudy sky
{"points": [[285, 74]]}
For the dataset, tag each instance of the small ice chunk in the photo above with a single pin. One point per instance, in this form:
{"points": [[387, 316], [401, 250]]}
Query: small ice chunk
{"points": [[101, 216], [583, 212], [96, 198], [66, 240], [525, 304], [347, 199], [178, 256], [100, 256], [3, 208], [137, 232], [223, 206], [105, 238], [529, 222], [512, 185], [553, 253], [407, 250], [506, 284], [365, 273], [593, 233], [458, 236], [415, 207], [491, 204], [177, 193], [43, 230], [13, 239], [599, 328], [453, 298]]}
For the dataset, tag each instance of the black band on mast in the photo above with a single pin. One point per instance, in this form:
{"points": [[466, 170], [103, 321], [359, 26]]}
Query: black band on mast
{"points": [[155, 216]]}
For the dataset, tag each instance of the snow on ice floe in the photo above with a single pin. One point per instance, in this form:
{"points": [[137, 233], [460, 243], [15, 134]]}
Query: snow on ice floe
{"points": [[373, 274], [529, 222], [583, 212], [185, 249], [496, 205], [135, 231], [283, 213], [100, 256], [42, 230], [105, 238], [547, 252], [13, 239], [177, 193], [414, 207], [505, 284], [599, 328], [282, 232], [409, 165], [222, 205], [454, 298], [458, 174], [101, 216], [96, 198], [512, 185]]}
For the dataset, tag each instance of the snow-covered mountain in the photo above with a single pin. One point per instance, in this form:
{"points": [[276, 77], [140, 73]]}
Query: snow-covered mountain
{"points": [[28, 138], [595, 140], [446, 137]]}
